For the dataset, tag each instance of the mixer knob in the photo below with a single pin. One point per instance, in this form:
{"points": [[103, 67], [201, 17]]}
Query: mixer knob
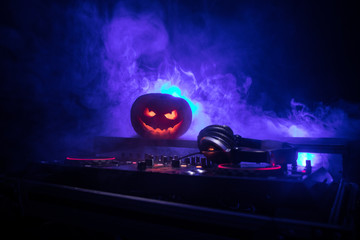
{"points": [[149, 161], [203, 162], [161, 159], [165, 160], [308, 167], [193, 161], [175, 163], [141, 165]]}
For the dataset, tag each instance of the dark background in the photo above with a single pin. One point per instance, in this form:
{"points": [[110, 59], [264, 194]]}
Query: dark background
{"points": [[306, 50]]}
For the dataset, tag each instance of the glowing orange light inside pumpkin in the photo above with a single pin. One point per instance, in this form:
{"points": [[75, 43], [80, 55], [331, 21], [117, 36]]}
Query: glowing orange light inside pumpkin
{"points": [[149, 113], [172, 115], [161, 132], [211, 149]]}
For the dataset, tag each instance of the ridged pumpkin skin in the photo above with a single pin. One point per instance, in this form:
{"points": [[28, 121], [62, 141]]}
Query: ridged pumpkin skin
{"points": [[160, 116]]}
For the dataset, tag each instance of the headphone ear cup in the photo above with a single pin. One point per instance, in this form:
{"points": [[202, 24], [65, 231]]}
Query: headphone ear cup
{"points": [[227, 129], [220, 133]]}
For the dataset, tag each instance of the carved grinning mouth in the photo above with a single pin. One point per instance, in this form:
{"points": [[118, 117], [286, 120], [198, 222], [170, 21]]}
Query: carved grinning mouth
{"points": [[161, 132]]}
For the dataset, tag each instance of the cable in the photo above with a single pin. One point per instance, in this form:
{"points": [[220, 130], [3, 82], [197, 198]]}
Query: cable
{"points": [[191, 154]]}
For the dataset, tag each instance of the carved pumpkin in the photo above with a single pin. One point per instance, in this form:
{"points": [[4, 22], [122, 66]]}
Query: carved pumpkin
{"points": [[161, 116]]}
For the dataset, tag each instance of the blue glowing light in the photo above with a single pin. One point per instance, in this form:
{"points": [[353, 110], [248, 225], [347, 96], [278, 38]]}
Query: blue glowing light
{"points": [[297, 132], [302, 157], [176, 92]]}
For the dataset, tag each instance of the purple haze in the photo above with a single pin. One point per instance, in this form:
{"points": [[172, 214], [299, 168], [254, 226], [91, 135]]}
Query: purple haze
{"points": [[138, 60], [74, 70]]}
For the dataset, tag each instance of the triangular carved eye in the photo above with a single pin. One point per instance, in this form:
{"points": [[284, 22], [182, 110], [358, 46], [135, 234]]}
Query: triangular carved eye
{"points": [[172, 115], [149, 113]]}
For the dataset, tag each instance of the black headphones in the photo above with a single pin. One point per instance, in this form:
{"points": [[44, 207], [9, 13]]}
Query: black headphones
{"points": [[218, 143], [216, 138]]}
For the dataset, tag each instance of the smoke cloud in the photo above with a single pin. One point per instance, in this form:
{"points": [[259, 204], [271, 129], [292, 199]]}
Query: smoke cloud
{"points": [[73, 71], [140, 58]]}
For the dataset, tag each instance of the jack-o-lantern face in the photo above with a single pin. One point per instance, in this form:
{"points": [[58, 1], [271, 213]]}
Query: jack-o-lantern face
{"points": [[162, 116]]}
